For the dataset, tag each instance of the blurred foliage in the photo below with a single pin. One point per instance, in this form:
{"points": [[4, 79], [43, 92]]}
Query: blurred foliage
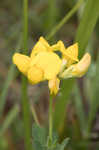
{"points": [[41, 140], [79, 117]]}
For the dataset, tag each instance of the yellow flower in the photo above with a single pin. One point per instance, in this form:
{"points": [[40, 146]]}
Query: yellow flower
{"points": [[44, 64]]}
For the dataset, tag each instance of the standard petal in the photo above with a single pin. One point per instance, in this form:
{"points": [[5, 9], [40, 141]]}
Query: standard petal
{"points": [[44, 42], [40, 46], [22, 62]]}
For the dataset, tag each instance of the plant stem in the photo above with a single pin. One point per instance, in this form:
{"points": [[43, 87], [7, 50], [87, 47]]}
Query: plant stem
{"points": [[34, 115], [26, 114], [50, 118], [64, 20], [25, 102], [25, 25], [51, 14]]}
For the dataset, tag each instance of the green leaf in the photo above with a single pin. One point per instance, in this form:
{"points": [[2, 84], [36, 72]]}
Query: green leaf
{"points": [[79, 108], [41, 140], [94, 101], [61, 103], [87, 24], [3, 143], [63, 145], [39, 135], [51, 145]]}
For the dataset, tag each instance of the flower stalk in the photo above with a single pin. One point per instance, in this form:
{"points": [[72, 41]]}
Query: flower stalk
{"points": [[50, 118], [25, 102]]}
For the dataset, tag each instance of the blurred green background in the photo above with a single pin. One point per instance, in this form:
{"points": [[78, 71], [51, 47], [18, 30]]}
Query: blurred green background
{"points": [[76, 107]]}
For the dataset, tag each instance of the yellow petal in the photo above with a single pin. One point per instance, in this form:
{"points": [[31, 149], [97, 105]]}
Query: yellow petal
{"points": [[35, 75], [58, 47], [44, 42], [40, 46], [37, 48], [54, 85], [49, 62], [22, 62], [81, 68], [71, 54]]}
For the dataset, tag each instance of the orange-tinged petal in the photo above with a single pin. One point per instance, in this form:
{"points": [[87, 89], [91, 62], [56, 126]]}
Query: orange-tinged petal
{"points": [[22, 62]]}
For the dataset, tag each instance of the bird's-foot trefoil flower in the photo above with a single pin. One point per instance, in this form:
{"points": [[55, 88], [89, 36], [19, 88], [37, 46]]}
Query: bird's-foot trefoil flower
{"points": [[45, 64]]}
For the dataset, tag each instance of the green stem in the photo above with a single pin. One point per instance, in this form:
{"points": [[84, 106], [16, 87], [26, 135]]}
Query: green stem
{"points": [[25, 101], [26, 115], [50, 119], [64, 20], [51, 14], [25, 25], [34, 115]]}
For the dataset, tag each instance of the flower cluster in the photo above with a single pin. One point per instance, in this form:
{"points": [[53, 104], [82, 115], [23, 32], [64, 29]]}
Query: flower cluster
{"points": [[45, 64]]}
